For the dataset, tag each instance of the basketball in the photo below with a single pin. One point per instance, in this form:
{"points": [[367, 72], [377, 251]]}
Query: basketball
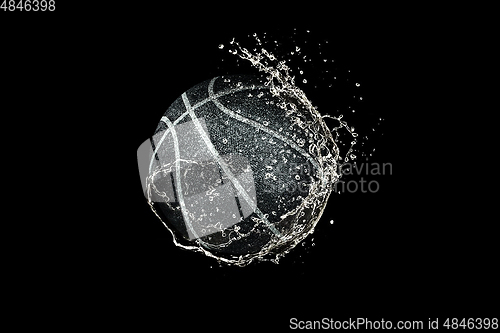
{"points": [[233, 171]]}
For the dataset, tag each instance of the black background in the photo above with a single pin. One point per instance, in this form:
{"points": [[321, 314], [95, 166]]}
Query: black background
{"points": [[400, 253]]}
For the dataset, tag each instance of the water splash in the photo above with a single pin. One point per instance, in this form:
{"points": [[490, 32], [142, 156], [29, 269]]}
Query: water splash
{"points": [[323, 147], [296, 103], [317, 139]]}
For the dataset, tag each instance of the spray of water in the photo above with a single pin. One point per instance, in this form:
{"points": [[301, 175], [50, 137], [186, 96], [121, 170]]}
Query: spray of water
{"points": [[323, 147], [295, 224]]}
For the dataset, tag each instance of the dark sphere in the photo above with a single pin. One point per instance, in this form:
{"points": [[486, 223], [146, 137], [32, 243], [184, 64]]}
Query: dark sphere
{"points": [[234, 172]]}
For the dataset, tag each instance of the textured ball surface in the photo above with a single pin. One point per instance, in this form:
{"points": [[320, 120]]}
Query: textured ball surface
{"points": [[231, 171]]}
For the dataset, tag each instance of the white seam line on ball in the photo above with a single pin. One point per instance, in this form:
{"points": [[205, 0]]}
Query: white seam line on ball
{"points": [[180, 196], [259, 126], [197, 105], [225, 167]]}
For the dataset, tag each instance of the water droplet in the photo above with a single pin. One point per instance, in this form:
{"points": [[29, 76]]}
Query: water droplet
{"points": [[357, 84], [304, 81], [331, 221]]}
